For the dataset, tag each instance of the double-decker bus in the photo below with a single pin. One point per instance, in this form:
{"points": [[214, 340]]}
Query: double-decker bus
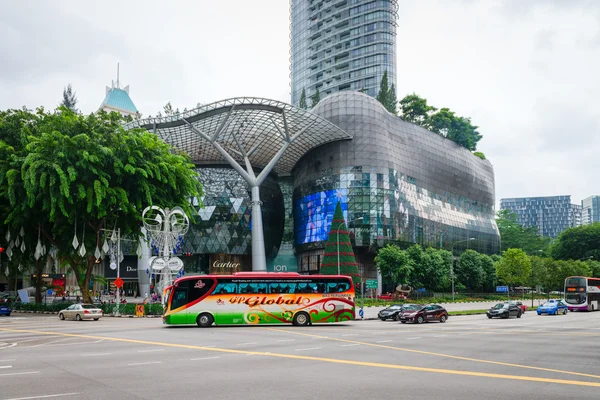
{"points": [[582, 293], [259, 298]]}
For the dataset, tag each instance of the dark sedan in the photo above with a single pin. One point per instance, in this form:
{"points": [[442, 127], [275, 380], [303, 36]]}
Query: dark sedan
{"points": [[393, 311], [418, 315], [505, 310]]}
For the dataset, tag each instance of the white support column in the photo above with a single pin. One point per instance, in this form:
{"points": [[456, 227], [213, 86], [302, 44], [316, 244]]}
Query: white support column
{"points": [[143, 264], [259, 259], [379, 283]]}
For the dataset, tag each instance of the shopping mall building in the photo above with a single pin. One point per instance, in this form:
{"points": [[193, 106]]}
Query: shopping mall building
{"points": [[397, 183]]}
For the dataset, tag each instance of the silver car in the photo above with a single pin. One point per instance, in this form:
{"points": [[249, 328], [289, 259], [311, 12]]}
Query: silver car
{"points": [[81, 312]]}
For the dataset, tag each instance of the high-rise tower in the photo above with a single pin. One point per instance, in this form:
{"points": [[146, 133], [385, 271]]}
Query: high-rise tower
{"points": [[341, 45]]}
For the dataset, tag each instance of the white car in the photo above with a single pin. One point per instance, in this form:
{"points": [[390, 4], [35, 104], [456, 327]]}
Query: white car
{"points": [[81, 312]]}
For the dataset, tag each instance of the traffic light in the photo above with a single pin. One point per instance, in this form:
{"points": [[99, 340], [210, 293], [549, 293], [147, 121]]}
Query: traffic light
{"points": [[1, 249]]}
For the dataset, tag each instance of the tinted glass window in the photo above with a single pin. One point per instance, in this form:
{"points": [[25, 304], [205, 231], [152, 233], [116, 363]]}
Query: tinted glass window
{"points": [[179, 297], [197, 288], [228, 287], [88, 306]]}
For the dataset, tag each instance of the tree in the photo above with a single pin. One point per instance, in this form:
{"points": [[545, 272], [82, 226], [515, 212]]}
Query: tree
{"points": [[315, 99], [559, 270], [578, 243], [394, 264], [489, 272], [514, 268], [432, 269], [347, 262], [515, 236], [69, 99], [302, 104], [387, 95], [469, 270], [70, 175], [415, 109]]}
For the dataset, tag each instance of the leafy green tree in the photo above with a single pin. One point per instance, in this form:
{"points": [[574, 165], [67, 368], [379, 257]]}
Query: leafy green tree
{"points": [[347, 261], [394, 264], [515, 236], [559, 270], [514, 268], [315, 99], [302, 103], [432, 271], [387, 94], [66, 175], [479, 154], [489, 272], [594, 267], [469, 270], [578, 243], [69, 99], [415, 109], [440, 122]]}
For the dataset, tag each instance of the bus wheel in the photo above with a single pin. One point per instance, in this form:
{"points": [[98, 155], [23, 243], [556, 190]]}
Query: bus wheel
{"points": [[301, 319], [205, 320]]}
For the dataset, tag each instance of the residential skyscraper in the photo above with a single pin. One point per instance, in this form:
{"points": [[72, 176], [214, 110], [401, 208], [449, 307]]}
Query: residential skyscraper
{"points": [[590, 210], [341, 45], [550, 215]]}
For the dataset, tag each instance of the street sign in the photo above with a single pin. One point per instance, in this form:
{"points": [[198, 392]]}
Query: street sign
{"points": [[371, 283], [501, 289], [158, 263], [361, 313], [119, 282], [175, 263]]}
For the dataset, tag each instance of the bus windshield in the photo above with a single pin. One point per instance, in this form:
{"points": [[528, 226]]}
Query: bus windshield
{"points": [[575, 298]]}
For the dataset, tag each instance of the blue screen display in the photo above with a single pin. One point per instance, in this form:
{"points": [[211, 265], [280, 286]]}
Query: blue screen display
{"points": [[313, 215]]}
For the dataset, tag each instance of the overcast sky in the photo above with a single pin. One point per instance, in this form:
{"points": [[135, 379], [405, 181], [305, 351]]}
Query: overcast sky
{"points": [[526, 72]]}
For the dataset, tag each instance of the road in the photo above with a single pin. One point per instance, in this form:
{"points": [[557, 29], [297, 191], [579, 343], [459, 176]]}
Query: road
{"points": [[468, 357]]}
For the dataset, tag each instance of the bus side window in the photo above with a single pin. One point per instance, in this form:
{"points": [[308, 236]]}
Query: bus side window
{"points": [[291, 287], [343, 286], [179, 298]]}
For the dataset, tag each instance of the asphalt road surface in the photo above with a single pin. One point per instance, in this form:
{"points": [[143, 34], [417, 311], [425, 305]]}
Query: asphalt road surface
{"points": [[468, 357]]}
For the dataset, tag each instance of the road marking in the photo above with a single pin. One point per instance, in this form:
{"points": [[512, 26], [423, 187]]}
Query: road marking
{"points": [[150, 351], [5, 366], [145, 363], [383, 341], [204, 358], [9, 346], [308, 348], [337, 361], [349, 345], [286, 340], [21, 373], [12, 359], [47, 396], [438, 354], [413, 338], [439, 335], [351, 334], [95, 354], [244, 344]]}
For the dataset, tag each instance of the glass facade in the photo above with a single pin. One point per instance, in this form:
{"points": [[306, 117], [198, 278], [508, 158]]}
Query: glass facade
{"points": [[407, 184], [550, 215], [590, 210], [223, 226], [341, 45]]}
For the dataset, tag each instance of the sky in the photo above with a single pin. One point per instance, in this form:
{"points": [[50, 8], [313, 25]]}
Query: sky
{"points": [[526, 72]]}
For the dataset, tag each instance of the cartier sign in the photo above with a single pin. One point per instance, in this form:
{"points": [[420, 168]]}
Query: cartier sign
{"points": [[226, 265]]}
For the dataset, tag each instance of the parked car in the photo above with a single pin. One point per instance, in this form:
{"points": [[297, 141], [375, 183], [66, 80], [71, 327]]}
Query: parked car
{"points": [[420, 314], [522, 306], [505, 310], [392, 311], [81, 312], [5, 310], [552, 307]]}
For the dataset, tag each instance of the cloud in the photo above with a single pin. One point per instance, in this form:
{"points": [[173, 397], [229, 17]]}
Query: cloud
{"points": [[526, 72]]}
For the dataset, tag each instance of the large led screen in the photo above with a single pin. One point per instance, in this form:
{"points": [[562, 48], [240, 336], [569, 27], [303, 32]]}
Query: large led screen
{"points": [[313, 215]]}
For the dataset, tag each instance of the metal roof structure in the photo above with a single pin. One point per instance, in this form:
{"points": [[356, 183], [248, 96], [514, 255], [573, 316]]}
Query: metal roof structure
{"points": [[244, 126], [252, 135]]}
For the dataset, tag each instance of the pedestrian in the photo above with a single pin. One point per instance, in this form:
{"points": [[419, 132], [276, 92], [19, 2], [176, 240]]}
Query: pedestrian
{"points": [[77, 300]]}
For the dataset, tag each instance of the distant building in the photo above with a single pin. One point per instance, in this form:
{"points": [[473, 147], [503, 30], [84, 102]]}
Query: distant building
{"points": [[341, 45], [590, 210], [118, 100], [550, 215]]}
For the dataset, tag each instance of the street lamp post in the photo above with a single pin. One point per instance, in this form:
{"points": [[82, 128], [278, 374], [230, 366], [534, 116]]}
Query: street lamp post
{"points": [[452, 267], [338, 239]]}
